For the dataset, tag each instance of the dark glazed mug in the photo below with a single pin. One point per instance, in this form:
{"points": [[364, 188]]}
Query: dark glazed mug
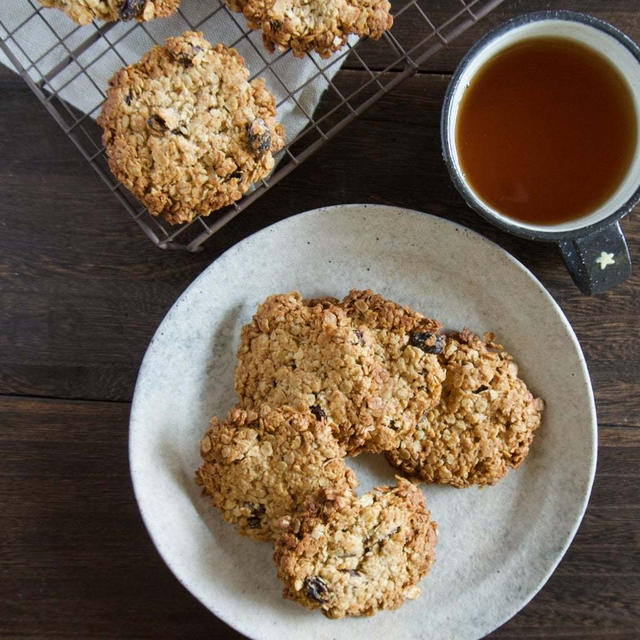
{"points": [[593, 246]]}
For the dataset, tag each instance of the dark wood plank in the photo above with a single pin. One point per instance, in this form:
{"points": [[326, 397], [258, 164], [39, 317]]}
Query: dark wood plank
{"points": [[76, 561], [79, 273], [410, 28]]}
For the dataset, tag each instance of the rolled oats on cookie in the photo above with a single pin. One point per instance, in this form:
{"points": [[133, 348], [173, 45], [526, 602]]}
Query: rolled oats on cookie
{"points": [[84, 11], [358, 557], [483, 424], [407, 345], [309, 355], [322, 26], [186, 131], [259, 468]]}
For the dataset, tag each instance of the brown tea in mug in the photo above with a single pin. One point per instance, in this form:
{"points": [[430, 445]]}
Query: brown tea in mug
{"points": [[546, 130]]}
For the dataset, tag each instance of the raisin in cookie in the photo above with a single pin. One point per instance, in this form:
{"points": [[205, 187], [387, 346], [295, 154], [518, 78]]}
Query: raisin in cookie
{"points": [[314, 25], [259, 469], [185, 131], [84, 11], [406, 345], [310, 356], [483, 425], [359, 558]]}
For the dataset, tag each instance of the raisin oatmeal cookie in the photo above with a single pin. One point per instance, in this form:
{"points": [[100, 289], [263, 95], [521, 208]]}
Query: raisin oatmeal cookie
{"points": [[258, 469], [314, 25], [407, 345], [359, 558], [310, 356], [484, 423], [84, 11], [185, 131]]}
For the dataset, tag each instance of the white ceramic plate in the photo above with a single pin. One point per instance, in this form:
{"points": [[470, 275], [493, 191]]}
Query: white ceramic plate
{"points": [[497, 546]]}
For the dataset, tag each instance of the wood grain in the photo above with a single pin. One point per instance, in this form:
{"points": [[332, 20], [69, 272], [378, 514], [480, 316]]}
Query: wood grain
{"points": [[77, 562], [75, 282], [81, 292], [410, 28]]}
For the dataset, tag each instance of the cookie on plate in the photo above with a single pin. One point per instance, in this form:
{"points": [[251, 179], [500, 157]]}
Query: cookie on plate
{"points": [[258, 469], [84, 11], [185, 131], [310, 356], [407, 345], [314, 25], [359, 558], [483, 425]]}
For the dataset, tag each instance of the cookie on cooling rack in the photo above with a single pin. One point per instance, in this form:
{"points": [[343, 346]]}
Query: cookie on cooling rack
{"points": [[309, 355], [84, 11], [360, 557], [322, 26], [483, 424], [259, 469], [186, 131]]}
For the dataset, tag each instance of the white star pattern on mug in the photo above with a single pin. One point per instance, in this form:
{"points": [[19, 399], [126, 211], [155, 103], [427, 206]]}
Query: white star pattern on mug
{"points": [[605, 260]]}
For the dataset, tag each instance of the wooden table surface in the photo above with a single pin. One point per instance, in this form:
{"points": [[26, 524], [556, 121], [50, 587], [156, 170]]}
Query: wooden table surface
{"points": [[83, 291]]}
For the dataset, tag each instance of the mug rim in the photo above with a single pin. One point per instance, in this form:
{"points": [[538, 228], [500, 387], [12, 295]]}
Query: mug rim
{"points": [[472, 200]]}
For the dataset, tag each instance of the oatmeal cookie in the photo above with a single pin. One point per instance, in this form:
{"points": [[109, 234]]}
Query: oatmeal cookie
{"points": [[407, 345], [484, 423], [84, 11], [314, 25], [185, 131], [258, 469], [359, 558], [310, 356]]}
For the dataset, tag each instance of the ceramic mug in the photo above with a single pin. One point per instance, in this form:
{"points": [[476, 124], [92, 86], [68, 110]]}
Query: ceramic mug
{"points": [[593, 246]]}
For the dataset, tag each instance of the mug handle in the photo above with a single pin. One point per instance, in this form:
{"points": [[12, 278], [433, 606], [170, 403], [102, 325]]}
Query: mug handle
{"points": [[599, 260]]}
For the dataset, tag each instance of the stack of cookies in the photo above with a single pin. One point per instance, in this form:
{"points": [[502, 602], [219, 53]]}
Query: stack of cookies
{"points": [[322, 379]]}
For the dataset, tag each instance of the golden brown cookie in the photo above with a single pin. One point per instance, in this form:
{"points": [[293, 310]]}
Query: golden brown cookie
{"points": [[483, 425], [84, 11], [357, 558], [310, 356], [314, 25], [259, 469], [185, 131], [406, 345]]}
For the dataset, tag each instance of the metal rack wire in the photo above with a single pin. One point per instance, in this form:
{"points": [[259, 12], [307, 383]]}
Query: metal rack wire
{"points": [[78, 60]]}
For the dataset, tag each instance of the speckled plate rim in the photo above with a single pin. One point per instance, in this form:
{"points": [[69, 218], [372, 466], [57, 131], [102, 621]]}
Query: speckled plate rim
{"points": [[157, 535]]}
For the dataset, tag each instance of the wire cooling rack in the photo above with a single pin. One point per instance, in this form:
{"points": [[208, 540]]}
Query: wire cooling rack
{"points": [[73, 60]]}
